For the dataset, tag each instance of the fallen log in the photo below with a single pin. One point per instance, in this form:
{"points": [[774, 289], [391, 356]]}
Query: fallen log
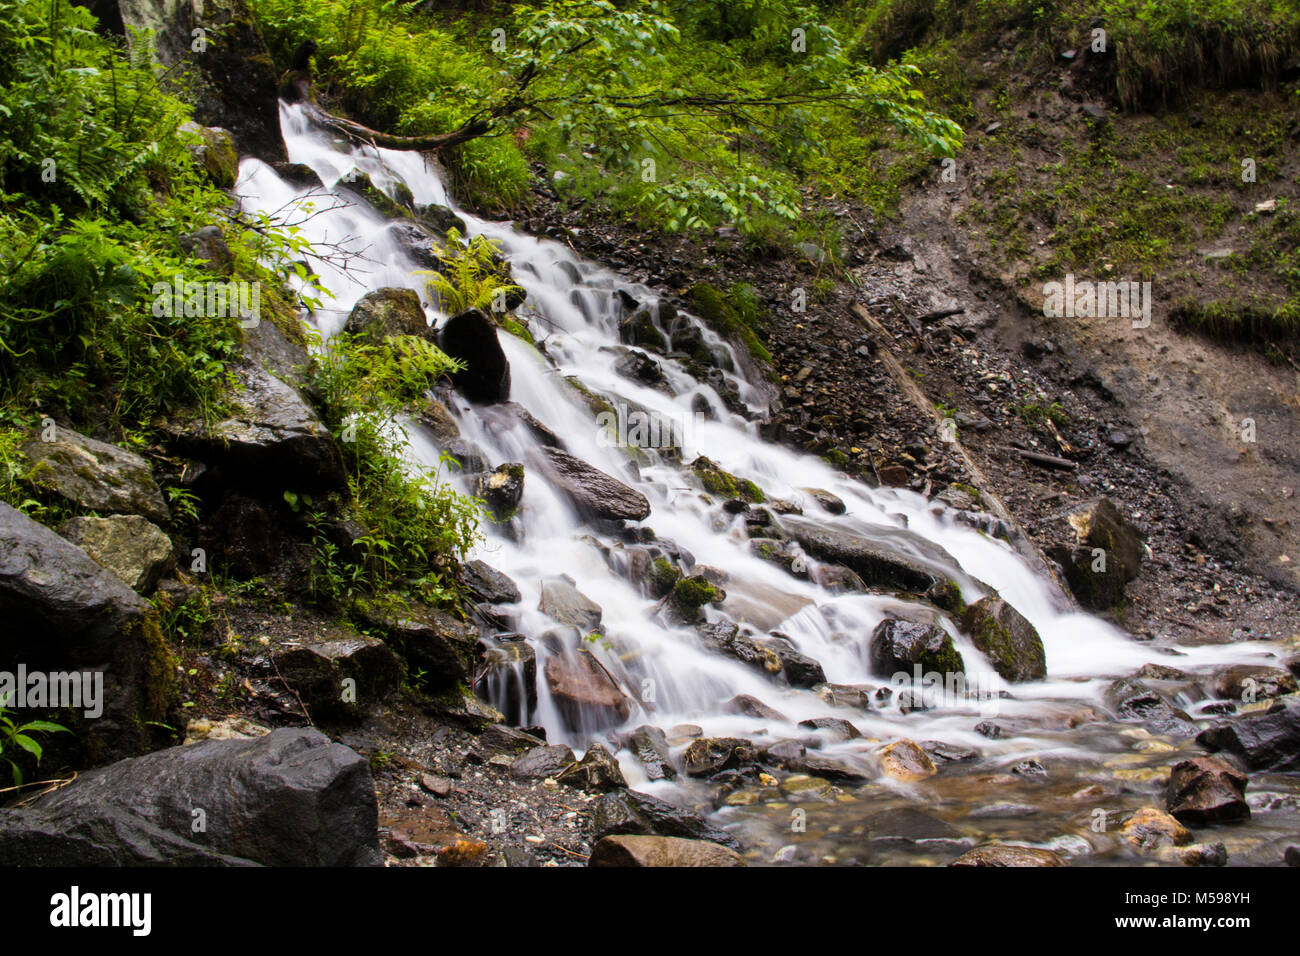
{"points": [[1046, 461]]}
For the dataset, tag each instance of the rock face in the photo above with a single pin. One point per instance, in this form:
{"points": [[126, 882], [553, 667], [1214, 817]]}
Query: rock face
{"points": [[342, 677], [884, 561], [62, 613], [585, 694], [385, 312], [472, 338], [1006, 638], [1267, 741], [273, 440], [94, 475], [430, 640], [661, 851], [133, 548], [638, 814], [233, 80], [594, 493], [1000, 854], [1206, 790], [898, 645], [289, 798]]}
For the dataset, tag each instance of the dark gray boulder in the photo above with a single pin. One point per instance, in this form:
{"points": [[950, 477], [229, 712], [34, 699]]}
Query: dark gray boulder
{"points": [[472, 337], [594, 493], [290, 798]]}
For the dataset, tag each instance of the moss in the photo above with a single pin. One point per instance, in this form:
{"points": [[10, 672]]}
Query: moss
{"points": [[691, 594], [517, 329], [664, 576], [723, 317], [726, 485]]}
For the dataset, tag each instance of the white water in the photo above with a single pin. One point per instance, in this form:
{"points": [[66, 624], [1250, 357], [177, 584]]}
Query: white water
{"points": [[571, 309]]}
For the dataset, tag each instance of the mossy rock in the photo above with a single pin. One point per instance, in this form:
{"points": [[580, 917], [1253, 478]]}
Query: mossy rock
{"points": [[719, 314], [691, 594], [1003, 635], [724, 484]]}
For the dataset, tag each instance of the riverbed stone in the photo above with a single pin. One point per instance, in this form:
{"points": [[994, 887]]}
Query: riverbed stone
{"points": [[1261, 741], [657, 851], [904, 760], [1206, 790], [1002, 854]]}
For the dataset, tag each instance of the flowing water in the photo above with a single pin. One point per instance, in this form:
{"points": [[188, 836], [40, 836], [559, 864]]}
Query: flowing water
{"points": [[573, 310]]}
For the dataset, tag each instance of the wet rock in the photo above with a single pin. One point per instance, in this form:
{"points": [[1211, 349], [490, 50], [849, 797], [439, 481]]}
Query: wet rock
{"points": [[1206, 790], [897, 646], [832, 503], [94, 475], [773, 655], [654, 851], [846, 695], [435, 416], [1006, 638], [133, 548], [904, 760], [1135, 700], [835, 728], [472, 337], [884, 561], [540, 762], [298, 174], [502, 490], [783, 753], [596, 772], [339, 678], [948, 753], [509, 674], [690, 594], [709, 755], [1251, 682], [1267, 741], [1150, 828], [469, 456], [441, 219], [1001, 854], [434, 643], [511, 412], [432, 833], [751, 707], [64, 612], [272, 441], [488, 584], [839, 769], [563, 602], [634, 813], [838, 579], [385, 312], [594, 493], [650, 746], [584, 693], [639, 329], [208, 245], [724, 484]]}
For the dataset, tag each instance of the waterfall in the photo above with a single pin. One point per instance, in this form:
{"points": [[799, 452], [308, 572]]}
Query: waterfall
{"points": [[573, 308]]}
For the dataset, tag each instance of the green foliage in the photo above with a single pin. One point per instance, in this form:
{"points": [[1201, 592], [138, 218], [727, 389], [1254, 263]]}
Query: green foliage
{"points": [[471, 277], [15, 737], [418, 526], [737, 315]]}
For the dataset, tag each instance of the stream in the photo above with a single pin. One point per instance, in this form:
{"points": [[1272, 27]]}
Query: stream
{"points": [[1085, 760]]}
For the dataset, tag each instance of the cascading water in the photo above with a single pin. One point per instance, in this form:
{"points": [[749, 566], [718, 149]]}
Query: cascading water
{"points": [[670, 676]]}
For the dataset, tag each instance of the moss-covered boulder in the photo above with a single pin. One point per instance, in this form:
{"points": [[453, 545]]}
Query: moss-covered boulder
{"points": [[215, 149], [385, 312], [899, 646], [1003, 635], [723, 484]]}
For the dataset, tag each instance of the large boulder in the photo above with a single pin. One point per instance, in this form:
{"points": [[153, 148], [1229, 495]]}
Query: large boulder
{"points": [[133, 548], [63, 613], [583, 691], [435, 644], [890, 558], [661, 851], [1267, 741], [639, 814], [1206, 790], [898, 646], [272, 441], [1006, 638], [774, 655], [94, 475], [289, 798], [387, 311], [472, 337], [341, 676], [594, 493], [231, 78]]}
